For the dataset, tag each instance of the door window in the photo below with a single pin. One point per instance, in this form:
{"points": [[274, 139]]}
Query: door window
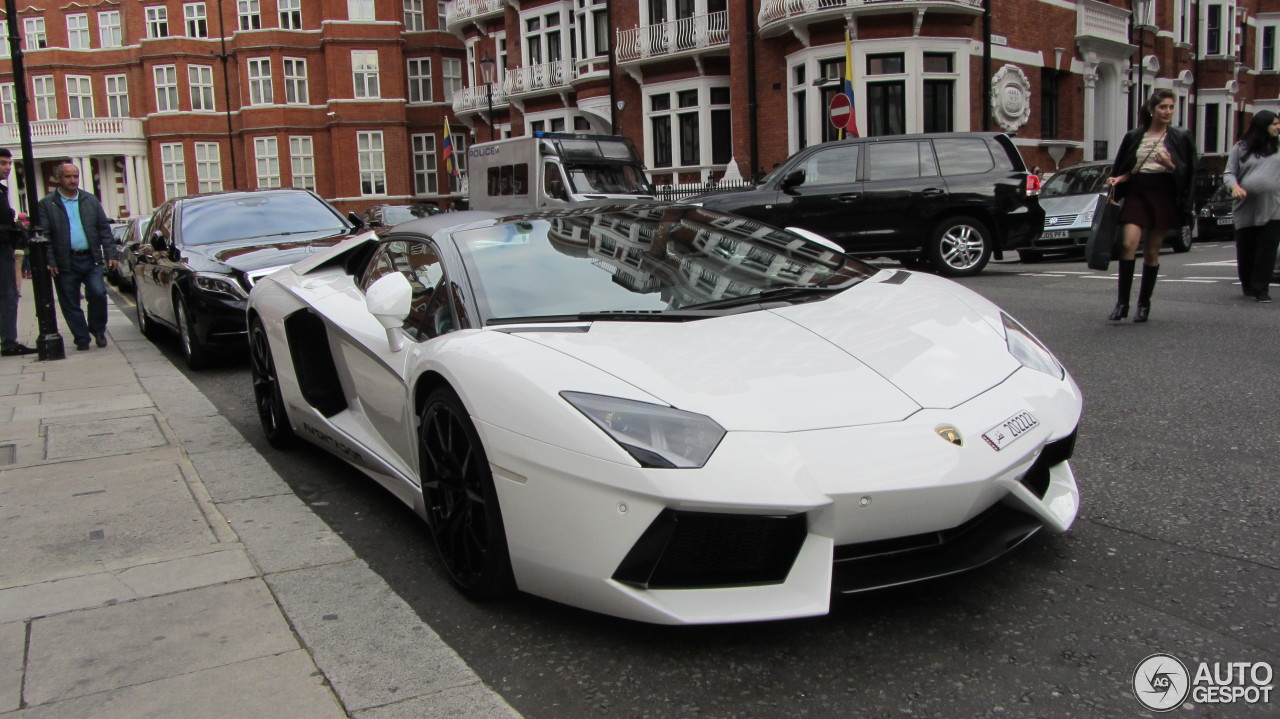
{"points": [[430, 311], [832, 165], [900, 161]]}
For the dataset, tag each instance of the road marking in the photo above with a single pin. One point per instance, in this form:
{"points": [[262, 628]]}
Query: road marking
{"points": [[1221, 263]]}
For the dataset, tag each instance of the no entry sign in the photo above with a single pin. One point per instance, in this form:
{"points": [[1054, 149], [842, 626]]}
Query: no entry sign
{"points": [[841, 112]]}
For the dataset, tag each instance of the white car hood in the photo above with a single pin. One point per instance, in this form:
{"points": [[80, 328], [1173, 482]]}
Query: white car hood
{"points": [[1069, 204], [876, 353]]}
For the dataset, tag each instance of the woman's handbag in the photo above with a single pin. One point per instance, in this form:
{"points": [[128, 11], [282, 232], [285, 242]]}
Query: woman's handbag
{"points": [[1102, 239]]}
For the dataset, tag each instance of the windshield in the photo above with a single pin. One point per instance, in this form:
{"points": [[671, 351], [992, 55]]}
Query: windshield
{"points": [[638, 258], [395, 214], [608, 180], [240, 217], [1076, 181]]}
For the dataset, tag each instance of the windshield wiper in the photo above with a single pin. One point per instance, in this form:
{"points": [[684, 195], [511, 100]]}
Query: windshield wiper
{"points": [[777, 294], [681, 315]]}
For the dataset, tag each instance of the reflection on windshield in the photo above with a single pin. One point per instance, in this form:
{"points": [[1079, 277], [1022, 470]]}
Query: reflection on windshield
{"points": [[642, 257], [608, 180], [395, 214], [1077, 181], [240, 217]]}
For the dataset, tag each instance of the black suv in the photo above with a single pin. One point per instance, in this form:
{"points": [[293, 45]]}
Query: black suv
{"points": [[942, 200]]}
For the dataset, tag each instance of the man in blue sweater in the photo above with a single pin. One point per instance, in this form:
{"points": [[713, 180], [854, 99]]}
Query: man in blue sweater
{"points": [[80, 237]]}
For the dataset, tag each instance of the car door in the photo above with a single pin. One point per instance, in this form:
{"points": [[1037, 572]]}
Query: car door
{"points": [[384, 410], [902, 191], [152, 292], [825, 201]]}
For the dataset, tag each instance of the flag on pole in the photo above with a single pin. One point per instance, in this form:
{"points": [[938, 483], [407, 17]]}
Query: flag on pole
{"points": [[450, 164], [852, 125]]}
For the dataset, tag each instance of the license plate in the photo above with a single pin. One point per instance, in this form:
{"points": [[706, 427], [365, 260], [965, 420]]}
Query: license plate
{"points": [[1054, 235], [1225, 220], [1003, 434]]}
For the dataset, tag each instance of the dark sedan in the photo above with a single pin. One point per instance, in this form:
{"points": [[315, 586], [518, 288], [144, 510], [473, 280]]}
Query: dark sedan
{"points": [[381, 218], [129, 238], [204, 252], [1216, 219]]}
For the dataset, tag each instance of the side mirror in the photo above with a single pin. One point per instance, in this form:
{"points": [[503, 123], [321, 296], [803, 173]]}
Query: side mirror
{"points": [[356, 222], [388, 300], [158, 242], [793, 178]]}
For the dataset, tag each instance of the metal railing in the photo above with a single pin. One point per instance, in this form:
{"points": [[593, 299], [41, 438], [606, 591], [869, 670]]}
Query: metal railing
{"points": [[462, 11], [476, 98], [1100, 20], [673, 193], [124, 128], [544, 76], [772, 11], [699, 32]]}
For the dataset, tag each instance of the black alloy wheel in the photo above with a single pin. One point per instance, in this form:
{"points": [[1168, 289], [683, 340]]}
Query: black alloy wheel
{"points": [[461, 502], [192, 351], [266, 390], [1181, 241], [960, 247]]}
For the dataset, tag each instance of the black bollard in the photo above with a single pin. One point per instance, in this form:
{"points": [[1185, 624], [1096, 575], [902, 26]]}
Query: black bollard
{"points": [[49, 344]]}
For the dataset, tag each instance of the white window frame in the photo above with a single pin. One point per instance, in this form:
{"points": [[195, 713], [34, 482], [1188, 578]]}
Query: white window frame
{"points": [[1268, 21], [372, 162], [418, 75], [451, 70], [208, 167], [165, 79], [109, 29], [200, 81], [34, 34], [703, 86], [442, 15], [415, 18], [45, 97], [77, 31], [295, 81], [426, 173], [365, 84], [79, 97], [1228, 40], [248, 15], [117, 95], [195, 16], [360, 10], [302, 161], [261, 91], [157, 21], [537, 45], [290, 14], [8, 103], [266, 158], [588, 17], [173, 170], [1225, 104]]}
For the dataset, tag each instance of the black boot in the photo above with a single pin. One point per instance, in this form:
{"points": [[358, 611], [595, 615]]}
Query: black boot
{"points": [[1149, 273], [1121, 310]]}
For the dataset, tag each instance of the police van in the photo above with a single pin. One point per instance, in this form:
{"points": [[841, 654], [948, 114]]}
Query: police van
{"points": [[552, 169]]}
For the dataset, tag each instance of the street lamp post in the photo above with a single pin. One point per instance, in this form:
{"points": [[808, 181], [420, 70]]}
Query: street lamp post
{"points": [[486, 69], [49, 344]]}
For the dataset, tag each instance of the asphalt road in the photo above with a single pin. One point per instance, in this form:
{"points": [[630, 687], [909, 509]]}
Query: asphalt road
{"points": [[1176, 550]]}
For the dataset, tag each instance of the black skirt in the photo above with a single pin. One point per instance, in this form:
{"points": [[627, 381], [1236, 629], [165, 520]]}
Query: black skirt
{"points": [[1150, 201]]}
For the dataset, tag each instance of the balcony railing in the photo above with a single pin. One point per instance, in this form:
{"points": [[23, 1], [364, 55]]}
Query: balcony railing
{"points": [[535, 78], [97, 128], [460, 12], [774, 11], [476, 99], [699, 32], [1100, 21]]}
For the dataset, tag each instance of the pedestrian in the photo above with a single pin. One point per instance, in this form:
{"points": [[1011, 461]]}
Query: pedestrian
{"points": [[80, 240], [1152, 173], [11, 237], [1253, 174]]}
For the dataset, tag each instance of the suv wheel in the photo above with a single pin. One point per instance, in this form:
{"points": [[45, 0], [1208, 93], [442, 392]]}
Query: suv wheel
{"points": [[1181, 242], [960, 247]]}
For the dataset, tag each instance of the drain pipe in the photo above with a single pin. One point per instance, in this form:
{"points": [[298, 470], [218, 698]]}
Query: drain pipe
{"points": [[752, 101], [986, 65]]}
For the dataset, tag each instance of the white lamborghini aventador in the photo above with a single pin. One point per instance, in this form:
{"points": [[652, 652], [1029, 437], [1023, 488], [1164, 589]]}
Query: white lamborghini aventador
{"points": [[666, 413]]}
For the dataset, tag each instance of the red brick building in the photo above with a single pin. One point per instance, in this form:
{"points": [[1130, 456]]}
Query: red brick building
{"points": [[350, 97]]}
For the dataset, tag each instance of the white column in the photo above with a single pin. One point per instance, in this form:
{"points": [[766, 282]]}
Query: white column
{"points": [[144, 189], [131, 186], [86, 174]]}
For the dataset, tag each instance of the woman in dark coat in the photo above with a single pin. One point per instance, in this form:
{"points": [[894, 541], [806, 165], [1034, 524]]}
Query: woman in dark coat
{"points": [[1153, 174]]}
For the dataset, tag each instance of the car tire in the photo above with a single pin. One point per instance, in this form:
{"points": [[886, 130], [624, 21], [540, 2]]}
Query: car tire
{"points": [[266, 390], [460, 500], [146, 325], [1182, 241], [196, 356], [960, 247], [1031, 257]]}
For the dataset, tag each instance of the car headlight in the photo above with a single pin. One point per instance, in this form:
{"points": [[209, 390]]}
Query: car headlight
{"points": [[655, 435], [1086, 218], [216, 284], [1028, 350]]}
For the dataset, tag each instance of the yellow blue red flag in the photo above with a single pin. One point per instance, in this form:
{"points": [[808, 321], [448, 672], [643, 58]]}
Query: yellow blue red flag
{"points": [[450, 164], [852, 126]]}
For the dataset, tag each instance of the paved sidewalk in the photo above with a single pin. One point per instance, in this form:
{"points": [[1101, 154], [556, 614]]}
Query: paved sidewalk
{"points": [[154, 565]]}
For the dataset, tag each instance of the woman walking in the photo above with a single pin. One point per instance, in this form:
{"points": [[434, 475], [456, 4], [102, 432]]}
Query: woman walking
{"points": [[1152, 173], [1253, 174]]}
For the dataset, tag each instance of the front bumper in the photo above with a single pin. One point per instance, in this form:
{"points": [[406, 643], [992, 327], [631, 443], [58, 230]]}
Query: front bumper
{"points": [[881, 505]]}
